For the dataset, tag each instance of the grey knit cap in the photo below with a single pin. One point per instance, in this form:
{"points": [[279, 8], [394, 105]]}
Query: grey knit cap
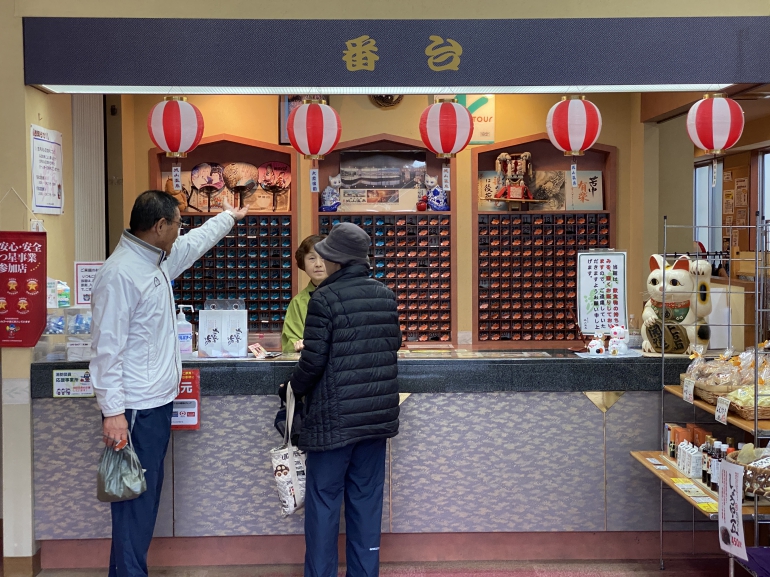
{"points": [[346, 244]]}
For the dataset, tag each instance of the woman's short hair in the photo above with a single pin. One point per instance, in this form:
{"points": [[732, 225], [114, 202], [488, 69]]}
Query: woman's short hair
{"points": [[305, 247]]}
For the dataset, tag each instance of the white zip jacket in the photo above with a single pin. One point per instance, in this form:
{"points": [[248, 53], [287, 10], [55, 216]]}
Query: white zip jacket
{"points": [[136, 362]]}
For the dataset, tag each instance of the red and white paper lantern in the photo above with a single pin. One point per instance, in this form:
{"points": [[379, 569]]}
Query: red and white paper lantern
{"points": [[314, 129], [446, 128], [715, 123], [574, 125], [175, 126]]}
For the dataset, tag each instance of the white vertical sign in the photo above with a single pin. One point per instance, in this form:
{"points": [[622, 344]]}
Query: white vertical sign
{"points": [[731, 510], [176, 175], [601, 289], [85, 272], [47, 179], [314, 180], [446, 178]]}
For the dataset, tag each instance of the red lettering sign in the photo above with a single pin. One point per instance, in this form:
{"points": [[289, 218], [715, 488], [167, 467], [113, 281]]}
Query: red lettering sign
{"points": [[186, 414], [23, 282]]}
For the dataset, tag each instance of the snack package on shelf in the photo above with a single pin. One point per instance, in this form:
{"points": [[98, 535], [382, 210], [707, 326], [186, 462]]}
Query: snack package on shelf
{"points": [[743, 401], [718, 377], [693, 370]]}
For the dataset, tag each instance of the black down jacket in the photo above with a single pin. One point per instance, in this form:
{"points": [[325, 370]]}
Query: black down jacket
{"points": [[348, 370]]}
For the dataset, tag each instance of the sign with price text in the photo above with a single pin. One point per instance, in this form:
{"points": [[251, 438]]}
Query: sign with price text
{"points": [[23, 278], [186, 414]]}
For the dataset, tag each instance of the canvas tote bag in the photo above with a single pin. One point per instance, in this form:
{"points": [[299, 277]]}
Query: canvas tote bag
{"points": [[289, 465]]}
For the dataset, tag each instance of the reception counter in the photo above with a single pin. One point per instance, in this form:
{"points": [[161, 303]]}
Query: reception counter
{"points": [[522, 445]]}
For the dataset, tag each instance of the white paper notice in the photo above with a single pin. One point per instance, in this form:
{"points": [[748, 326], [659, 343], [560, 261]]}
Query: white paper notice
{"points": [[47, 180], [654, 461], [723, 406], [73, 383], [687, 390], [731, 538], [85, 273]]}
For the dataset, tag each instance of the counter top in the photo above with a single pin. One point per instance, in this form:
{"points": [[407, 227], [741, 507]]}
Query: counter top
{"points": [[433, 371]]}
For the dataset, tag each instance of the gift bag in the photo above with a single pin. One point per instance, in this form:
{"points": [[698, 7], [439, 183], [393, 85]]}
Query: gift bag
{"points": [[289, 465], [120, 476]]}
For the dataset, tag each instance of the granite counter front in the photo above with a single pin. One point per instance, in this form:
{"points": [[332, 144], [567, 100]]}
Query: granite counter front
{"points": [[455, 371]]}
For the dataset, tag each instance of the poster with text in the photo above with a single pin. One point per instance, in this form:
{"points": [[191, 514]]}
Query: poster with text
{"points": [[488, 184], [589, 192], [47, 180], [731, 538], [85, 273], [186, 412], [23, 279], [601, 291], [482, 109]]}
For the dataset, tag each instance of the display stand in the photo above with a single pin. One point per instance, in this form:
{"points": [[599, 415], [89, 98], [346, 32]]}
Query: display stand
{"points": [[760, 429], [524, 279], [412, 252], [254, 262]]}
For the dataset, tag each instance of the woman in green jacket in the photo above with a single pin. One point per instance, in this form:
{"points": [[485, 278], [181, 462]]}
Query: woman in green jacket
{"points": [[294, 324]]}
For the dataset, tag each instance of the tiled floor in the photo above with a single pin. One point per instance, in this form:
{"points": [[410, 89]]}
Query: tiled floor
{"points": [[716, 567]]}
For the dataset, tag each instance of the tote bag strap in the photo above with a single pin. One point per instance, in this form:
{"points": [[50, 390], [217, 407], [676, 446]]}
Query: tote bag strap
{"points": [[290, 402]]}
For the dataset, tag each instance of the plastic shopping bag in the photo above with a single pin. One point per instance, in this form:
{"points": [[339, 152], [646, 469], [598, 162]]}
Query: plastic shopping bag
{"points": [[289, 465], [120, 476]]}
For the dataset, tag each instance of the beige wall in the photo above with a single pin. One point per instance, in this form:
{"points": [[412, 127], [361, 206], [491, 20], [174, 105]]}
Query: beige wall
{"points": [[675, 185], [400, 9], [256, 117]]}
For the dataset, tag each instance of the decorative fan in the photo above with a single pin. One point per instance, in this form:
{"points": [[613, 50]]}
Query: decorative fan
{"points": [[385, 100], [208, 179]]}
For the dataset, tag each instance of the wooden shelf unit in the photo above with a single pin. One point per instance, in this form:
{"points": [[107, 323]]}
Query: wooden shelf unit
{"points": [[518, 271], [255, 261], [732, 419], [668, 476], [413, 253]]}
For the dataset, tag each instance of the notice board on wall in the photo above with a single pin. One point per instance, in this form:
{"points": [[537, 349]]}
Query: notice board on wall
{"points": [[601, 287], [23, 278]]}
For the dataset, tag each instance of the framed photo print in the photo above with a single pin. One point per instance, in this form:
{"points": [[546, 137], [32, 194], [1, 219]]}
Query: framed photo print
{"points": [[287, 103]]}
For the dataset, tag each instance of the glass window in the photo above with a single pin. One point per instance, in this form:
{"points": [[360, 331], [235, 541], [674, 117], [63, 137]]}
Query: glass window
{"points": [[707, 206]]}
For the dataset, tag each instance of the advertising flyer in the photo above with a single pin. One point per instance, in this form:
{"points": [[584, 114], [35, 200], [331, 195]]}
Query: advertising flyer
{"points": [[47, 191]]}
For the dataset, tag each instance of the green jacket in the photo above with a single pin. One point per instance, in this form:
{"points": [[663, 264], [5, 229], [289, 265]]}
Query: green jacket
{"points": [[294, 324]]}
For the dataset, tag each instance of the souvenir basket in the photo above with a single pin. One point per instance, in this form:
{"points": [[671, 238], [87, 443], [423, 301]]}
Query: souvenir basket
{"points": [[707, 392], [747, 411], [756, 480]]}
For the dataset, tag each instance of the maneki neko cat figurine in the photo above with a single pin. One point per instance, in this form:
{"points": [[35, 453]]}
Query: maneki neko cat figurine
{"points": [[596, 346], [330, 197], [687, 304], [437, 199], [618, 340]]}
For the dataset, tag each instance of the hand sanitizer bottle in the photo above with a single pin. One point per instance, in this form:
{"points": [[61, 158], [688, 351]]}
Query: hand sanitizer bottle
{"points": [[185, 332]]}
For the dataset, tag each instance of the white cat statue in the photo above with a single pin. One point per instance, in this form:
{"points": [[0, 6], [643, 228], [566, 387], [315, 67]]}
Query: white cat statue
{"points": [[688, 303], [618, 341], [596, 346], [330, 197], [437, 199]]}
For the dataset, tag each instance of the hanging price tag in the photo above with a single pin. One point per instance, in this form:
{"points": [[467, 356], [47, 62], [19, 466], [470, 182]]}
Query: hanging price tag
{"points": [[688, 389], [314, 180], [446, 178], [573, 173], [723, 405], [176, 176]]}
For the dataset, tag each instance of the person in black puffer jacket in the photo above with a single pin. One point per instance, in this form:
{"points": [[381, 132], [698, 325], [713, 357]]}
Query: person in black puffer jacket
{"points": [[348, 376]]}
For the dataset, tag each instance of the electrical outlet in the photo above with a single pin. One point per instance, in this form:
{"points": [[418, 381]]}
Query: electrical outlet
{"points": [[36, 225]]}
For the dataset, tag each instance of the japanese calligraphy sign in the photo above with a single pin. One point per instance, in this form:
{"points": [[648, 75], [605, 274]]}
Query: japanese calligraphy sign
{"points": [[47, 180], [585, 190], [601, 291], [186, 413], [23, 279], [85, 272], [72, 383], [731, 510]]}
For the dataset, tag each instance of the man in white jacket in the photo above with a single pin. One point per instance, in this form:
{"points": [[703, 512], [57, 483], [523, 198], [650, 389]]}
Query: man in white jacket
{"points": [[136, 367]]}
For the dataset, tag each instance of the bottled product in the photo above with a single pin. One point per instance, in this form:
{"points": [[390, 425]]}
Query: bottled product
{"points": [[716, 462], [185, 332], [706, 475]]}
